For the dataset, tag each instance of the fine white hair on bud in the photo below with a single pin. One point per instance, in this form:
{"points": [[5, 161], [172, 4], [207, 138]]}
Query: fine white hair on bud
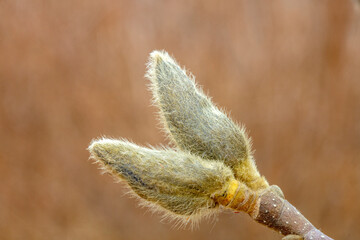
{"points": [[177, 181], [212, 164], [195, 124]]}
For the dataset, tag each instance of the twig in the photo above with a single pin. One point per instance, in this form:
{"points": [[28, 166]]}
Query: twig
{"points": [[211, 166]]}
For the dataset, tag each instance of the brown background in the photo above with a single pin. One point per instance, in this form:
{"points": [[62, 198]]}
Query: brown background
{"points": [[73, 70]]}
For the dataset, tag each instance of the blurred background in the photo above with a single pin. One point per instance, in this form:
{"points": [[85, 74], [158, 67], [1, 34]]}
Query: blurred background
{"points": [[71, 71]]}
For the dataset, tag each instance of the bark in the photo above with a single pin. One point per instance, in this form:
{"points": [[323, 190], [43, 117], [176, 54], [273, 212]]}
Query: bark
{"points": [[271, 209], [280, 215]]}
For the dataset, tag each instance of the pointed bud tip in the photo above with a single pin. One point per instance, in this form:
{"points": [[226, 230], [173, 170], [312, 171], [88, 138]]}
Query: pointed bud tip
{"points": [[99, 145], [158, 56]]}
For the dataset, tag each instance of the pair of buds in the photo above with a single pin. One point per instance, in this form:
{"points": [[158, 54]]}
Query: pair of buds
{"points": [[211, 166]]}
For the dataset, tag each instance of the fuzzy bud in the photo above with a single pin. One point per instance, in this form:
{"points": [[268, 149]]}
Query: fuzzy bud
{"points": [[195, 124]]}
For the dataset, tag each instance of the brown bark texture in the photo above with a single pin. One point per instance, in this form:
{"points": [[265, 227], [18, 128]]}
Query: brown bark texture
{"points": [[277, 213]]}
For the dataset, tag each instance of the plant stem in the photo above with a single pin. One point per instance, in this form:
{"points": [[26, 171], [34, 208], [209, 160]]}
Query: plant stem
{"points": [[269, 208], [277, 213]]}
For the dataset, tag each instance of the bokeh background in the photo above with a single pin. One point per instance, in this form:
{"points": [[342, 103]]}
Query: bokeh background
{"points": [[73, 70]]}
